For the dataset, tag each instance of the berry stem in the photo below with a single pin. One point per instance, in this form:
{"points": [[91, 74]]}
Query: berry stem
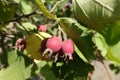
{"points": [[59, 33], [61, 30]]}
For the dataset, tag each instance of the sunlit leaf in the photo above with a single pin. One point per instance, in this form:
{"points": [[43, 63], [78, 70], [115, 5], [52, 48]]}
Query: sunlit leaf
{"points": [[29, 26], [25, 27], [34, 44], [12, 57], [26, 6], [110, 52], [18, 69]]}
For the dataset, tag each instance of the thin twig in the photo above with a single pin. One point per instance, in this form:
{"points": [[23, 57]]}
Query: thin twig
{"points": [[99, 57], [110, 78], [55, 5], [24, 27], [62, 31]]}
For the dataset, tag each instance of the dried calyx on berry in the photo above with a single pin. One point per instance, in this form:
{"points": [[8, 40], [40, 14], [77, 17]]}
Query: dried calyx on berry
{"points": [[53, 45], [20, 44]]}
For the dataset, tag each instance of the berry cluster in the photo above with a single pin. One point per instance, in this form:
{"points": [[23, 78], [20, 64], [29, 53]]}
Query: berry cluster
{"points": [[52, 47], [55, 47]]}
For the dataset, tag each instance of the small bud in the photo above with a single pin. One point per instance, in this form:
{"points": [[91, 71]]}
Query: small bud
{"points": [[42, 28], [20, 44]]}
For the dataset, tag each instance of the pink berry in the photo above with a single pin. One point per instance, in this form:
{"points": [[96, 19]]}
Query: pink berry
{"points": [[89, 74], [42, 28], [20, 44], [54, 43], [68, 48]]}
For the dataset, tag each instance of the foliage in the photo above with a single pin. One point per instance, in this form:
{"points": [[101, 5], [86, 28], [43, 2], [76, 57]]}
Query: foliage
{"points": [[93, 26]]}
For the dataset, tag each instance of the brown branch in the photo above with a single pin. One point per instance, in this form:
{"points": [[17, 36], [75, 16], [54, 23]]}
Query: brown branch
{"points": [[20, 17], [2, 41], [23, 27]]}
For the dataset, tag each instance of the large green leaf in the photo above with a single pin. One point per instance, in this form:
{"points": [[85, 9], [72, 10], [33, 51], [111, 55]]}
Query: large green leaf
{"points": [[19, 67], [77, 33], [96, 13]]}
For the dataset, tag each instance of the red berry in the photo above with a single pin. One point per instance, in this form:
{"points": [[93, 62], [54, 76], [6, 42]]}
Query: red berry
{"points": [[68, 48], [42, 28], [54, 43], [20, 44], [67, 7]]}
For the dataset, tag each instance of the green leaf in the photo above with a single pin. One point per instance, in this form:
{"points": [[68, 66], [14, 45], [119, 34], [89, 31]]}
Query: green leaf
{"points": [[76, 32], [34, 42], [26, 6], [29, 26], [17, 1], [20, 69], [44, 10], [112, 33], [80, 54], [13, 72], [109, 52], [12, 57], [6, 11], [26, 26], [100, 43], [46, 71], [112, 37], [96, 13]]}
